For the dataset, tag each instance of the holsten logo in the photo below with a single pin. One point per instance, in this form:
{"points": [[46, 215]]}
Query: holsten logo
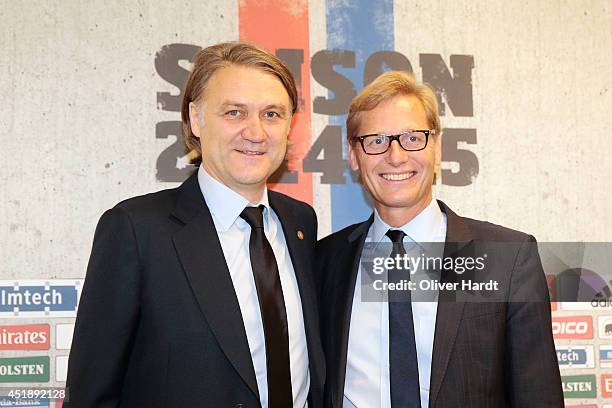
{"points": [[24, 369], [24, 337], [605, 356], [572, 327], [576, 357], [606, 385], [579, 386], [57, 298]]}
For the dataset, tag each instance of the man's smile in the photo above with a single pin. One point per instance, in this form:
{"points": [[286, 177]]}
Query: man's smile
{"points": [[398, 176]]}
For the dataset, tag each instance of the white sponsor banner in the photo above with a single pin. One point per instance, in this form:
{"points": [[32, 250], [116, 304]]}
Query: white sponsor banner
{"points": [[61, 368], [63, 336], [604, 305], [605, 327]]}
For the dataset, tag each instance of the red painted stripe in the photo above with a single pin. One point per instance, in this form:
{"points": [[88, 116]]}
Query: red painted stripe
{"points": [[275, 24]]}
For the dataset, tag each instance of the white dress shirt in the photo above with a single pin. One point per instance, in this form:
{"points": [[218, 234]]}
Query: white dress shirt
{"points": [[225, 206], [367, 382]]}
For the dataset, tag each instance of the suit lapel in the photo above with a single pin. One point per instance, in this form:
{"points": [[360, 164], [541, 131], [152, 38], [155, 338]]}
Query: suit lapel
{"points": [[200, 253], [301, 260], [344, 291], [449, 312]]}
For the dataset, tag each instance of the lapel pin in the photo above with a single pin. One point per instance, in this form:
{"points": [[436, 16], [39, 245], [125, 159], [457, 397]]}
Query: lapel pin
{"points": [[300, 234]]}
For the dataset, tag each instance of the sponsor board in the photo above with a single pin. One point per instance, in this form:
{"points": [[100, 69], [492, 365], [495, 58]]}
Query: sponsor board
{"points": [[63, 336], [603, 305], [605, 356], [605, 327], [23, 403], [39, 298], [61, 368], [576, 306], [582, 406], [24, 337], [24, 369], [579, 386], [572, 327], [606, 385], [576, 357]]}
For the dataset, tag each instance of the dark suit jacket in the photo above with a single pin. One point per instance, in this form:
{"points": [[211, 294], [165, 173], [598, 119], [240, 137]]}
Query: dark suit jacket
{"points": [[487, 354], [159, 323]]}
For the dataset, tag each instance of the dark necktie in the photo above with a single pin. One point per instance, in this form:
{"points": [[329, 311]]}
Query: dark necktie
{"points": [[273, 313], [403, 364]]}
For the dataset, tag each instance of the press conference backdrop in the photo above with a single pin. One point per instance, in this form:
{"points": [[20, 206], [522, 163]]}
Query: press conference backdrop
{"points": [[90, 96]]}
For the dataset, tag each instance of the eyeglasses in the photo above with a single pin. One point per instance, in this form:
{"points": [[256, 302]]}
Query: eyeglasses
{"points": [[410, 140]]}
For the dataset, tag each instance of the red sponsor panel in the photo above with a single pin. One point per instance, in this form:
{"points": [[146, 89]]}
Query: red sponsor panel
{"points": [[606, 385], [24, 337], [572, 327]]}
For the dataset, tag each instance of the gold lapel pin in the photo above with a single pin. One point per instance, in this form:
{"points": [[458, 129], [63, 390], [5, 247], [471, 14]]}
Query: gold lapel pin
{"points": [[300, 234]]}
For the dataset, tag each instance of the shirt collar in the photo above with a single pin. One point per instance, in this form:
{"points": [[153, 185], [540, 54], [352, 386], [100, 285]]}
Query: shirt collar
{"points": [[225, 204], [424, 227]]}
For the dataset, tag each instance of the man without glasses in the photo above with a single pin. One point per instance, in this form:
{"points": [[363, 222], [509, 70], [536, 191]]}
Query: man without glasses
{"points": [[404, 354], [202, 295]]}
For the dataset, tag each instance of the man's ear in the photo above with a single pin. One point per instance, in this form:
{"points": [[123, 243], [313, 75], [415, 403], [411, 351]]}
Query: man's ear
{"points": [[194, 119], [438, 150], [353, 157]]}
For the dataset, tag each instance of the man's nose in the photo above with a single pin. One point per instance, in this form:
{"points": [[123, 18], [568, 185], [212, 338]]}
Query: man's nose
{"points": [[396, 153], [254, 130]]}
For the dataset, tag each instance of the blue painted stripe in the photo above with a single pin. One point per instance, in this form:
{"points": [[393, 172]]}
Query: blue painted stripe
{"points": [[362, 26]]}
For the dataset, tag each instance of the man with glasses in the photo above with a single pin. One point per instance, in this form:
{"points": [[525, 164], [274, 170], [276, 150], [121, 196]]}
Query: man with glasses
{"points": [[403, 353]]}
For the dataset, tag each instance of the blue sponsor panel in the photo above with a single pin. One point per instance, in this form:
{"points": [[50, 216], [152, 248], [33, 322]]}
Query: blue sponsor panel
{"points": [[23, 402], [363, 27], [57, 298], [575, 357], [605, 356]]}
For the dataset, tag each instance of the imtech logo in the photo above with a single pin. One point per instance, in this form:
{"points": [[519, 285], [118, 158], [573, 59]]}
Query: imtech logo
{"points": [[576, 357], [572, 327], [38, 298], [24, 337]]}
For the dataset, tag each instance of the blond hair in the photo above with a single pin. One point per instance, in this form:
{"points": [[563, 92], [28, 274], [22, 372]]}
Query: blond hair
{"points": [[387, 86]]}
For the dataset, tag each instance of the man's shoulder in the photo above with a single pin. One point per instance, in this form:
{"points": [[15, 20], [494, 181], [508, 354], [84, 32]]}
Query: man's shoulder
{"points": [[339, 238], [480, 230], [488, 231], [290, 202], [151, 204]]}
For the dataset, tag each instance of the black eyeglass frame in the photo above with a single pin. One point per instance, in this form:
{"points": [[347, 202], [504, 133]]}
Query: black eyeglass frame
{"points": [[427, 132]]}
